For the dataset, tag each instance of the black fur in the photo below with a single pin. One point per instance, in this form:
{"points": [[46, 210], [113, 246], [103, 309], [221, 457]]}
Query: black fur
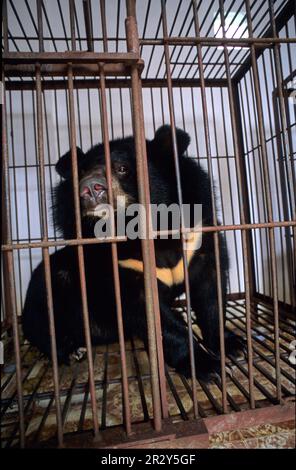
{"points": [[98, 264]]}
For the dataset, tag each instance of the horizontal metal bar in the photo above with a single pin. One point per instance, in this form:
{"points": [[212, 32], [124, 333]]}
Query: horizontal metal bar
{"points": [[207, 41], [72, 242], [182, 433], [67, 38], [111, 83], [88, 241], [142, 42], [61, 69], [69, 56]]}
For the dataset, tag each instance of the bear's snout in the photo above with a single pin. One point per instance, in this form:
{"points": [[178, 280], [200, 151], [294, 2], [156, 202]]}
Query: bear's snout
{"points": [[93, 191]]}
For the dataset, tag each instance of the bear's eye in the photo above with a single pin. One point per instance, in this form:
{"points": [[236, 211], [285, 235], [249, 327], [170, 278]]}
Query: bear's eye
{"points": [[122, 169]]}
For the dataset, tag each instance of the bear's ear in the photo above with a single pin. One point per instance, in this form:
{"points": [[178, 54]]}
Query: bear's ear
{"points": [[64, 165], [163, 142]]}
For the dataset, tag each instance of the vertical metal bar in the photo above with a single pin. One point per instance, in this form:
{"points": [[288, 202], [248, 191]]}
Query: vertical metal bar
{"points": [[278, 174], [133, 44], [194, 122], [142, 181], [46, 258], [40, 26], [26, 177], [158, 330], [246, 117], [7, 295], [279, 80], [104, 26], [261, 206], [121, 111], [16, 202], [50, 164], [244, 189], [144, 198], [6, 31], [72, 24], [90, 121], [104, 388], [218, 161], [10, 270], [81, 252], [232, 197], [35, 148], [5, 230], [152, 109], [117, 23], [79, 118], [162, 105], [280, 185], [84, 404], [5, 26], [286, 141], [88, 25], [285, 150], [174, 48], [242, 214], [140, 381], [183, 112], [215, 221], [104, 120], [268, 201], [180, 200], [111, 114], [77, 27]]}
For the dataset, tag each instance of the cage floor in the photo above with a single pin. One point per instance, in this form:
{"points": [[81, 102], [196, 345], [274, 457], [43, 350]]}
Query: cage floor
{"points": [[263, 436], [39, 406]]}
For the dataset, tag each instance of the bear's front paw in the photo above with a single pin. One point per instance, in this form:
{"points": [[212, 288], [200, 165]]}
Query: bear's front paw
{"points": [[79, 354]]}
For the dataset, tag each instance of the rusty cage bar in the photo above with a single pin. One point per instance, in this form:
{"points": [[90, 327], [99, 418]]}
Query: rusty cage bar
{"points": [[78, 72]]}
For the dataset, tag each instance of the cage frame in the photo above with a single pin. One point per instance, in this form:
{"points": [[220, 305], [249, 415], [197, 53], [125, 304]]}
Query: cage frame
{"points": [[106, 65]]}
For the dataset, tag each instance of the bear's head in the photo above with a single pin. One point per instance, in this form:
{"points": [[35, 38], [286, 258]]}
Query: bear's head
{"points": [[92, 179]]}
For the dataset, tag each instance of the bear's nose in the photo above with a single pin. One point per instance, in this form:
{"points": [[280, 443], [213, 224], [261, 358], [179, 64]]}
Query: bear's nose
{"points": [[92, 188]]}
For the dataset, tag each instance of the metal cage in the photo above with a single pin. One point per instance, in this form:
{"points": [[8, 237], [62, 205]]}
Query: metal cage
{"points": [[84, 71]]}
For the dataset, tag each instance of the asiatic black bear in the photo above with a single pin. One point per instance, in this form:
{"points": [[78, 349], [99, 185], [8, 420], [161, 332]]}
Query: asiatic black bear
{"points": [[98, 262]]}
